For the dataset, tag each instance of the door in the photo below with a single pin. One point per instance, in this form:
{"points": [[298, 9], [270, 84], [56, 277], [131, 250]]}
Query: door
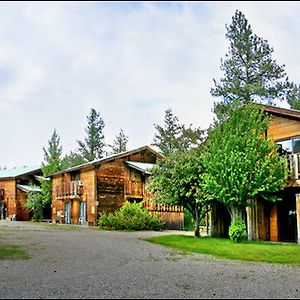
{"points": [[67, 213], [82, 214], [2, 211]]}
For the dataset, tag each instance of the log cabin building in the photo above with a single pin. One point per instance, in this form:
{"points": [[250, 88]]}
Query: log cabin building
{"points": [[273, 221], [82, 193], [14, 187]]}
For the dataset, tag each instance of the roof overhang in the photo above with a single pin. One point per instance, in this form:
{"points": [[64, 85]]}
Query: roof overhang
{"points": [[142, 167]]}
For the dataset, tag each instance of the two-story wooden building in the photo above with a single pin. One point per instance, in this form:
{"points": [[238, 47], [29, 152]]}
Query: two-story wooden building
{"points": [[274, 221], [82, 193], [14, 186]]}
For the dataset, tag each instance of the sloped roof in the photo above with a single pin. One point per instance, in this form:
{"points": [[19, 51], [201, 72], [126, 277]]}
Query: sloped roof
{"points": [[106, 159], [282, 112], [142, 167], [28, 188], [16, 172]]}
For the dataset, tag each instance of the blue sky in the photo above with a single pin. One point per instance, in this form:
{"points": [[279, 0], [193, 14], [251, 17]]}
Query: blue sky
{"points": [[128, 60]]}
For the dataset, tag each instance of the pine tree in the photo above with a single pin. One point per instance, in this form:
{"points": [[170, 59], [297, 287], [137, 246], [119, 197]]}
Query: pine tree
{"points": [[120, 143], [175, 137], [250, 72], [72, 159], [51, 164], [92, 147], [52, 155]]}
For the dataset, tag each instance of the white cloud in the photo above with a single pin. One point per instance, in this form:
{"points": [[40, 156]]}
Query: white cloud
{"points": [[130, 61]]}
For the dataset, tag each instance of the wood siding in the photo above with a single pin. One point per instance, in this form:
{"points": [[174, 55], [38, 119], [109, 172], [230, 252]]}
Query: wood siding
{"points": [[10, 195], [283, 128]]}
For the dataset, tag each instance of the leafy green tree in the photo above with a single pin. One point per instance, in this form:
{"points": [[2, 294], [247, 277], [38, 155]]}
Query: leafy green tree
{"points": [[240, 162], [35, 202], [120, 143], [176, 180], [72, 159], [92, 147], [175, 136], [250, 72]]}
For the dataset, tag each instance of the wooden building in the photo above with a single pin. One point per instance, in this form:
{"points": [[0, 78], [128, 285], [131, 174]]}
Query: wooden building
{"points": [[82, 193], [14, 186], [273, 221]]}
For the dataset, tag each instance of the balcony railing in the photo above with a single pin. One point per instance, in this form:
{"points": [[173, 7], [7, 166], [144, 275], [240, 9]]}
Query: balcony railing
{"points": [[294, 166], [135, 189], [71, 189]]}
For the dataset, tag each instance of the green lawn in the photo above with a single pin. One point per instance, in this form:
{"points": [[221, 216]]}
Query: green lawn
{"points": [[282, 253], [12, 252]]}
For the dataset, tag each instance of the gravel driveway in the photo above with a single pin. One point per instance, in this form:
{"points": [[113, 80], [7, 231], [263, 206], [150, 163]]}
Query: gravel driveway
{"points": [[88, 263]]}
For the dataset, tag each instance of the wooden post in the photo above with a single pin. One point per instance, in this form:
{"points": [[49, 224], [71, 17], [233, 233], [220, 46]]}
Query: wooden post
{"points": [[273, 223], [298, 216], [75, 211]]}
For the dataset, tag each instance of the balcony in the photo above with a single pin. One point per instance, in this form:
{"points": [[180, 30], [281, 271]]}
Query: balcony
{"points": [[71, 189], [294, 166], [134, 189]]}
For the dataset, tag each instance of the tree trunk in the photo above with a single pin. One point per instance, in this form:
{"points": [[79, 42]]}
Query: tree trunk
{"points": [[251, 221], [235, 213], [197, 224]]}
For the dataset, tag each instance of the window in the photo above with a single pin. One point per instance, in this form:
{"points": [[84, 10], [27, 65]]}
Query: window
{"points": [[290, 146]]}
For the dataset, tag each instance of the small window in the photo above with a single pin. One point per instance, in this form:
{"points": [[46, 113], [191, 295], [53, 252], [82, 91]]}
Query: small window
{"points": [[290, 146]]}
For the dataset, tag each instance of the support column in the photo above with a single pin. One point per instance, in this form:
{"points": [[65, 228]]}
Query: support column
{"points": [[273, 223], [75, 211], [298, 216]]}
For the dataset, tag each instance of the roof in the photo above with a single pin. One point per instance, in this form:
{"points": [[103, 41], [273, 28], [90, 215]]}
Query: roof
{"points": [[28, 188], [16, 172], [106, 159], [143, 167], [282, 112]]}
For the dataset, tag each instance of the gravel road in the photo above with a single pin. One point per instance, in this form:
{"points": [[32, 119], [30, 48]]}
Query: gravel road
{"points": [[88, 263]]}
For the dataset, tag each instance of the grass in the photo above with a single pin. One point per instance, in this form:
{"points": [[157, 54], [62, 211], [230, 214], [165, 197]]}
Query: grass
{"points": [[279, 253], [13, 252]]}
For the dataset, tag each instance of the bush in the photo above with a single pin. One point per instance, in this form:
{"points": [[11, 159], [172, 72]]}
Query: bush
{"points": [[237, 231], [132, 216]]}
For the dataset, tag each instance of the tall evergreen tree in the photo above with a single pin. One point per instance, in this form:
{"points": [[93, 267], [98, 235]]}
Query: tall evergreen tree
{"points": [[120, 142], [294, 96], [92, 147], [52, 155], [72, 159], [250, 72], [51, 164], [165, 138], [174, 136]]}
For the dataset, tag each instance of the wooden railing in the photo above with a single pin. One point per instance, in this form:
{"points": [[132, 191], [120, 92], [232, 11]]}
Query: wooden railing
{"points": [[151, 206], [70, 189], [294, 166], [135, 189]]}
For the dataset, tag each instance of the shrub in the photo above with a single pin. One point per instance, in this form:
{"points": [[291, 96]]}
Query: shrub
{"points": [[132, 216], [237, 231]]}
